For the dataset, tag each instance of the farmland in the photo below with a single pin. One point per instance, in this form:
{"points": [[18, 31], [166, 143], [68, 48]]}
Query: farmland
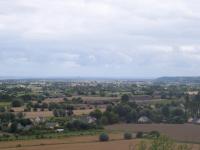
{"points": [[4, 104], [71, 115], [76, 143], [68, 140], [178, 132], [50, 113]]}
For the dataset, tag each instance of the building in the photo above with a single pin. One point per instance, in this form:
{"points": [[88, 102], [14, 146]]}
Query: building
{"points": [[144, 119]]}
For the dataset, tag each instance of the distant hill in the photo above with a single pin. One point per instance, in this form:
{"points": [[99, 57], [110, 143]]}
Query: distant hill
{"points": [[188, 80]]}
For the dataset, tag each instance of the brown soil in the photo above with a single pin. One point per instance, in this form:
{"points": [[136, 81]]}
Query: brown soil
{"points": [[75, 143], [68, 140], [179, 132]]}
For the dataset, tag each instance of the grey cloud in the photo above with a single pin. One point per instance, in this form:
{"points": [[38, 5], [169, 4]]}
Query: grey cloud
{"points": [[84, 38]]}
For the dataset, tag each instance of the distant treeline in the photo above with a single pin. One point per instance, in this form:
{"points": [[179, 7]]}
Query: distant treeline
{"points": [[182, 80]]}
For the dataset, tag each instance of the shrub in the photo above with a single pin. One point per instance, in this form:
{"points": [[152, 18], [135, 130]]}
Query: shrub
{"points": [[142, 146], [17, 103], [103, 137], [18, 145], [79, 125], [162, 143], [139, 135], [154, 134], [127, 136], [125, 98]]}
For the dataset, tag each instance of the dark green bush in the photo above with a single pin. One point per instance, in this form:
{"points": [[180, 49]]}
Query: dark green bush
{"points": [[139, 135], [154, 134], [128, 136], [103, 137], [17, 103], [18, 145]]}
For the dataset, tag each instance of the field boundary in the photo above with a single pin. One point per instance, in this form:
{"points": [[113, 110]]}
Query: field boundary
{"points": [[64, 143]]}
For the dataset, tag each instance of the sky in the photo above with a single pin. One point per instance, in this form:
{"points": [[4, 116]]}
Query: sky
{"points": [[99, 38]]}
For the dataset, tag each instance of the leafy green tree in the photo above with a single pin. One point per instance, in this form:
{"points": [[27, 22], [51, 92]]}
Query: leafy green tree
{"points": [[131, 116], [111, 117], [2, 109], [7, 117], [125, 98], [17, 103], [122, 110], [13, 127], [128, 136], [103, 137], [96, 113], [165, 111], [178, 112]]}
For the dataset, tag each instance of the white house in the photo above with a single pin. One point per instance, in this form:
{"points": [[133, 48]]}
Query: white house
{"points": [[144, 119], [59, 130]]}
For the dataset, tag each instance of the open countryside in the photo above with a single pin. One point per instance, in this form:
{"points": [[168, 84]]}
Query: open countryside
{"points": [[99, 75]]}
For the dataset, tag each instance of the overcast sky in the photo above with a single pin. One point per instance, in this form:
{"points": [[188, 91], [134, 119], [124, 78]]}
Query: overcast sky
{"points": [[99, 38]]}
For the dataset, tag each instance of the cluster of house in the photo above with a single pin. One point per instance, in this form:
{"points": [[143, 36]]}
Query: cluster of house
{"points": [[194, 120], [51, 125], [144, 119]]}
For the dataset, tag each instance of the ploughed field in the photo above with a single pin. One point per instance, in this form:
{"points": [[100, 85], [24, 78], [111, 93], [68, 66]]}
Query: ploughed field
{"points": [[117, 145], [178, 132], [71, 143], [75, 143]]}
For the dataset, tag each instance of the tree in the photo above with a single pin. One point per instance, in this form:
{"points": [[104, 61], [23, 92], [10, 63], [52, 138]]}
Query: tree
{"points": [[59, 113], [17, 103], [125, 98], [103, 137], [187, 104], [20, 115], [104, 120], [26, 97], [69, 110], [165, 111], [7, 117], [96, 114], [122, 110], [178, 112], [13, 127], [109, 108], [111, 117], [2, 109], [131, 116], [127, 136]]}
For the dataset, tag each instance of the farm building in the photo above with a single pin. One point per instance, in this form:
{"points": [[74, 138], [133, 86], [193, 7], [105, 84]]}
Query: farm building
{"points": [[144, 119]]}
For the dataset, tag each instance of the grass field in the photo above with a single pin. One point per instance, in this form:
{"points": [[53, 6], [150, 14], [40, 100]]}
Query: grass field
{"points": [[4, 104], [179, 132]]}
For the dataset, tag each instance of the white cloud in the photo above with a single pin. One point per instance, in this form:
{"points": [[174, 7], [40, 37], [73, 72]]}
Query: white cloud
{"points": [[89, 37]]}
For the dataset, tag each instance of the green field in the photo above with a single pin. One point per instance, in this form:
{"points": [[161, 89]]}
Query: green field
{"points": [[4, 104]]}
